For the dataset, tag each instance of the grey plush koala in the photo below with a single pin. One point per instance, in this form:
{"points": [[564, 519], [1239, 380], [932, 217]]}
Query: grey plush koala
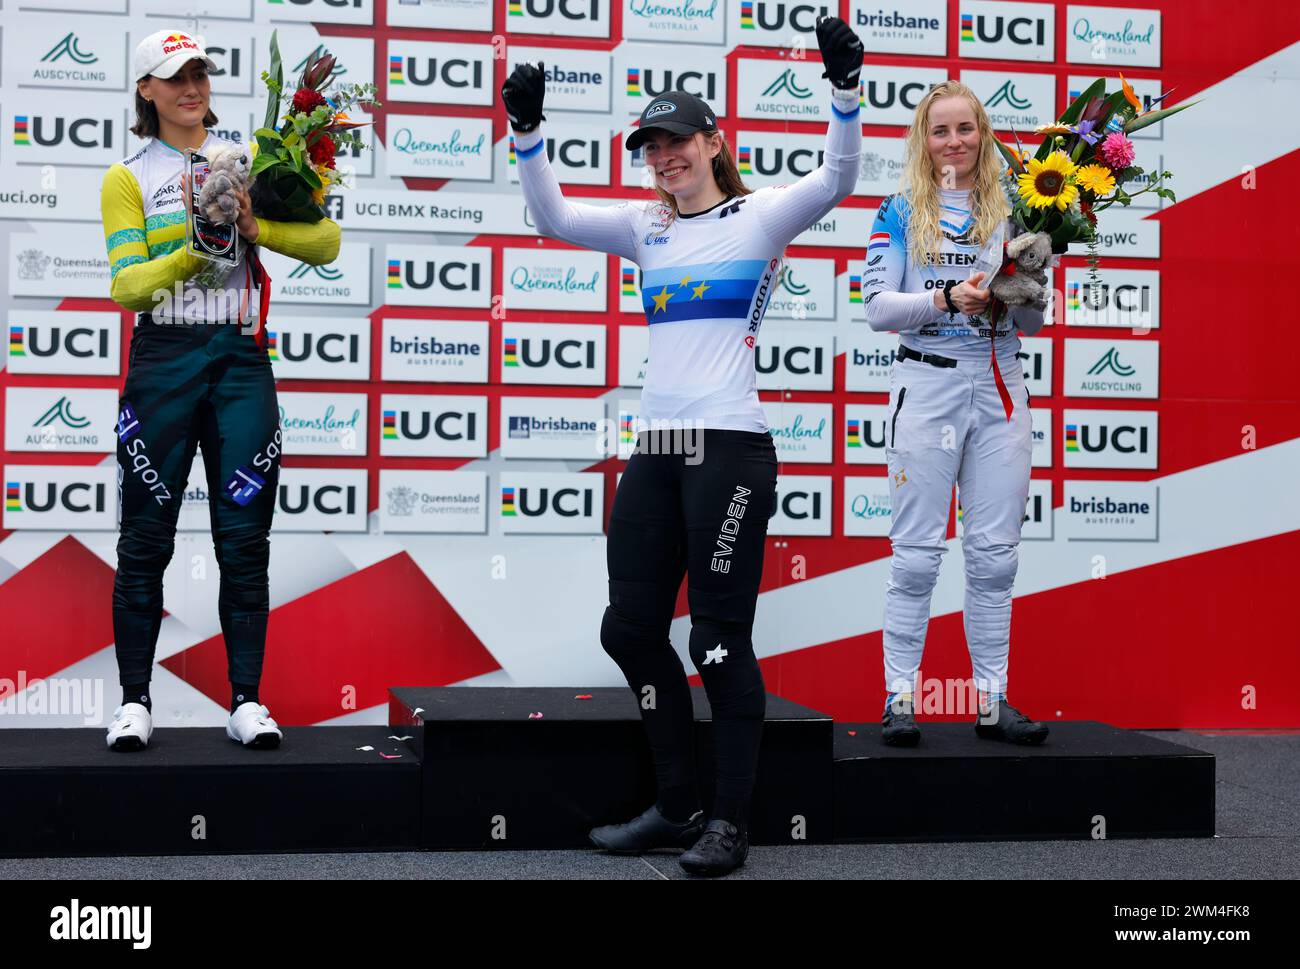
{"points": [[1027, 285], [228, 168]]}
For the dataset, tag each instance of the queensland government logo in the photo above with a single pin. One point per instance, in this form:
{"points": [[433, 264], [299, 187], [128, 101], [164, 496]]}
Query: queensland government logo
{"points": [[32, 264]]}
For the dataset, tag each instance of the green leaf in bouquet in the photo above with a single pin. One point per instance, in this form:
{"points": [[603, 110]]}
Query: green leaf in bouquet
{"points": [[1013, 160], [310, 177], [1072, 114], [262, 162], [276, 71], [269, 134], [1144, 120], [291, 139]]}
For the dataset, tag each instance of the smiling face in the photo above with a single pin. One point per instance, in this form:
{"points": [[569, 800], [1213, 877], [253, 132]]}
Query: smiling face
{"points": [[683, 164], [953, 141], [181, 99]]}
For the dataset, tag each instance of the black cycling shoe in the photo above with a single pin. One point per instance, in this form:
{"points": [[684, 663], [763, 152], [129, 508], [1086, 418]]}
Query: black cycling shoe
{"points": [[1010, 725], [721, 849], [898, 726], [648, 831]]}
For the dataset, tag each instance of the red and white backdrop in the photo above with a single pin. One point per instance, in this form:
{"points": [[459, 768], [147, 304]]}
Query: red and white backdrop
{"points": [[453, 387]]}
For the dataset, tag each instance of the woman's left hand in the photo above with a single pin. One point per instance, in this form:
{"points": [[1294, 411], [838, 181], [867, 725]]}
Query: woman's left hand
{"points": [[247, 222]]}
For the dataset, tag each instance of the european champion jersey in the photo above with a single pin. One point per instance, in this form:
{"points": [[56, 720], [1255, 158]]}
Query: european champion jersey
{"points": [[899, 295], [707, 277]]}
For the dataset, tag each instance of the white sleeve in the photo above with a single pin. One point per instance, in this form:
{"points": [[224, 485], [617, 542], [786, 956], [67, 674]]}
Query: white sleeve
{"points": [[785, 213], [603, 228], [888, 308]]}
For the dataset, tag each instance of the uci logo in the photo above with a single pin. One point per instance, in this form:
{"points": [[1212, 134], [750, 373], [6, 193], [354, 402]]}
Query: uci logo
{"points": [[658, 108]]}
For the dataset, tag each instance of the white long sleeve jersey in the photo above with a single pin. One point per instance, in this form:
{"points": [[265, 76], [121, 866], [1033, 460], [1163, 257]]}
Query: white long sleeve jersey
{"points": [[900, 295], [707, 277]]}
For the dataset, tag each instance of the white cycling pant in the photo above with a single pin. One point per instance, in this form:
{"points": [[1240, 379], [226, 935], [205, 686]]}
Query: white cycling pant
{"points": [[949, 425]]}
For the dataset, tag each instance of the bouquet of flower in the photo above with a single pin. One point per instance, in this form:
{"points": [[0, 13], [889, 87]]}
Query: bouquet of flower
{"points": [[295, 168], [1082, 165]]}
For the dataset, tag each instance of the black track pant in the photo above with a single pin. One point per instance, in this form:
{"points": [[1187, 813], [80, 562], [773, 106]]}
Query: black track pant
{"points": [[705, 516], [189, 386]]}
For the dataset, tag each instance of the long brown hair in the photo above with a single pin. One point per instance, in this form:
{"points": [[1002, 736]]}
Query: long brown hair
{"points": [[146, 118], [988, 201]]}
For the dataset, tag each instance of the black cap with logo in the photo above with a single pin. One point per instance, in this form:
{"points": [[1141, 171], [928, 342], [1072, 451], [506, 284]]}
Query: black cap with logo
{"points": [[678, 112]]}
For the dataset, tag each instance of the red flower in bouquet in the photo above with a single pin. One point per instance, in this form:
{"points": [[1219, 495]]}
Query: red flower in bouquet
{"points": [[307, 100], [321, 151]]}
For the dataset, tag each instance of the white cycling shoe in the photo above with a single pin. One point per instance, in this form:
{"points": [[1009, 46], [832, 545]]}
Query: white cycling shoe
{"points": [[252, 726], [131, 728]]}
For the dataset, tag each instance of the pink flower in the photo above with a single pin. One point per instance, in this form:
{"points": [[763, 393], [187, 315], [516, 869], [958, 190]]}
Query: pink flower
{"points": [[1116, 151]]}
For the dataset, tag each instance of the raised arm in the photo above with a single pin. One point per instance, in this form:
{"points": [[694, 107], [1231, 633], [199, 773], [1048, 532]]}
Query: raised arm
{"points": [[887, 307], [135, 277]]}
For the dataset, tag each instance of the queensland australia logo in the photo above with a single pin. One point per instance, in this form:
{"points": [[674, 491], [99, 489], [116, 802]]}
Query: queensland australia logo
{"points": [[452, 151], [1126, 39], [552, 279], [32, 264]]}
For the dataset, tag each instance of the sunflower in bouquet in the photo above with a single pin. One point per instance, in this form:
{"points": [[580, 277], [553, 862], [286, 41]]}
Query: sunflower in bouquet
{"points": [[295, 166]]}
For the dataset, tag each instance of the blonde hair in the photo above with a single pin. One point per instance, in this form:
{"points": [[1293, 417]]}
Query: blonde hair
{"points": [[919, 186]]}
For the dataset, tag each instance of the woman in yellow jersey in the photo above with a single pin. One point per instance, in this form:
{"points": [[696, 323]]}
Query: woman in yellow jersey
{"points": [[198, 376]]}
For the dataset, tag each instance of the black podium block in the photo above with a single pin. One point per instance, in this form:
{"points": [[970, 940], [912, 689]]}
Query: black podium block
{"points": [[494, 778], [958, 787], [63, 792]]}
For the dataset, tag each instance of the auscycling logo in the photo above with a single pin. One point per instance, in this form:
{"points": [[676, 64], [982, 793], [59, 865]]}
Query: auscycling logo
{"points": [[1006, 94], [789, 83], [324, 272], [69, 47], [1110, 361], [790, 286]]}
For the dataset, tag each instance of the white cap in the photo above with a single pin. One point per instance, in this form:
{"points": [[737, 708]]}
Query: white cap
{"points": [[164, 53]]}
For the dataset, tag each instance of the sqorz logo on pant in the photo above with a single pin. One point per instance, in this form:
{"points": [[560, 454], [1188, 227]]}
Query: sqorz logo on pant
{"points": [[64, 342], [433, 425], [553, 427], [553, 353], [1112, 368], [553, 279], [321, 500], [343, 282], [801, 432], [550, 503], [867, 506], [64, 497], [319, 347], [439, 73], [1121, 511], [333, 424], [789, 357], [61, 419], [433, 501], [564, 18], [1111, 438], [866, 432], [1014, 31], [438, 275], [803, 505], [453, 351]]}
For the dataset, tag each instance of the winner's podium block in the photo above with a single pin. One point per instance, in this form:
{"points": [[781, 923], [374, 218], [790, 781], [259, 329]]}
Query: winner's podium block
{"points": [[497, 775]]}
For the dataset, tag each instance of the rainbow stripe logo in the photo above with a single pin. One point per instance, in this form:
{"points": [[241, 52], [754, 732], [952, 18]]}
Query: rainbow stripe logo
{"points": [[16, 342], [390, 425], [510, 154], [627, 428], [967, 27], [743, 160], [507, 502], [12, 500], [394, 274], [272, 345], [629, 281], [510, 352], [634, 81], [1072, 295], [746, 14], [1072, 437], [395, 71], [515, 9], [20, 130], [855, 288], [853, 434], [862, 95]]}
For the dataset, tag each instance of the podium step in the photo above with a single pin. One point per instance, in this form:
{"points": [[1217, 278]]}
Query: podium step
{"points": [[494, 778], [63, 792], [958, 787]]}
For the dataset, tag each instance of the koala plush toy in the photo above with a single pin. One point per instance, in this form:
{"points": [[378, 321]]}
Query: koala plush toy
{"points": [[228, 167], [1022, 280]]}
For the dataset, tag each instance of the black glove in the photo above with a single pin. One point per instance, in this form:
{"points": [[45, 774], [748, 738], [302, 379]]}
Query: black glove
{"points": [[523, 94], [841, 52]]}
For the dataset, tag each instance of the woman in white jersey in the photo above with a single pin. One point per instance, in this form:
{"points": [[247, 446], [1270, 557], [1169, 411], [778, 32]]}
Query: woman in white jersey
{"points": [[958, 407], [698, 491]]}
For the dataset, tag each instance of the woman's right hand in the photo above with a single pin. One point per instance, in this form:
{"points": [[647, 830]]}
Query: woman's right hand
{"points": [[523, 94], [968, 297]]}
